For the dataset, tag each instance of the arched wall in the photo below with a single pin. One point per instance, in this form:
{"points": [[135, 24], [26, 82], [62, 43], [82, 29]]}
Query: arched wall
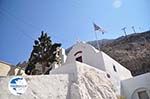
{"points": [[130, 86], [135, 93], [89, 54]]}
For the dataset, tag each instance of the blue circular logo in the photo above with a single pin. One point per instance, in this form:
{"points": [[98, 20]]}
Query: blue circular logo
{"points": [[17, 85]]}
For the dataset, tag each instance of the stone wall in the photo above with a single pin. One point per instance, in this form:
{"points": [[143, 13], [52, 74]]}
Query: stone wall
{"points": [[71, 81], [39, 87]]}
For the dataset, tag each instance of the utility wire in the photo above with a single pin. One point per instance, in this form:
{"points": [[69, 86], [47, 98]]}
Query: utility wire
{"points": [[20, 19], [21, 31], [26, 23]]}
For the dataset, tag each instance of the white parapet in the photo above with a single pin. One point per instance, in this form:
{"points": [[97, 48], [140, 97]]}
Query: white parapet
{"points": [[39, 87], [131, 88], [70, 81], [86, 82]]}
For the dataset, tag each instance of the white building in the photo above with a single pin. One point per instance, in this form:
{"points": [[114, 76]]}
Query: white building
{"points": [[7, 69], [137, 87], [124, 83], [95, 76]]}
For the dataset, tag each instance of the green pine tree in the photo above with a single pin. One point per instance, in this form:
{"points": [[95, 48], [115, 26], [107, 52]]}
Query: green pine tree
{"points": [[44, 53]]}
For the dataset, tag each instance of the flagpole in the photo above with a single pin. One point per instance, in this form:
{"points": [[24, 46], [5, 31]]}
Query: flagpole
{"points": [[97, 41], [97, 28]]}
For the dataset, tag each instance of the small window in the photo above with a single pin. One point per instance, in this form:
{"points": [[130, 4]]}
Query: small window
{"points": [[114, 67], [79, 59], [108, 75], [143, 95]]}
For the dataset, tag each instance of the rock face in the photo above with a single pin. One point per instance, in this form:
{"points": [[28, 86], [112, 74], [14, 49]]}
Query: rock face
{"points": [[39, 87], [71, 81], [87, 82]]}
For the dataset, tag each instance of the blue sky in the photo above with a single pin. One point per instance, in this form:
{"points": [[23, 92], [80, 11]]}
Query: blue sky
{"points": [[66, 21]]}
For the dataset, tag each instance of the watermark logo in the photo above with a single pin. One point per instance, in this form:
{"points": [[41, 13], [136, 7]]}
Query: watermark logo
{"points": [[17, 85]]}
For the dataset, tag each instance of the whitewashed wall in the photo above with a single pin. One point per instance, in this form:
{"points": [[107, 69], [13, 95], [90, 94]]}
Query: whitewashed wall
{"points": [[130, 87], [100, 60], [86, 82], [62, 55], [4, 68], [39, 87], [89, 54], [7, 69], [121, 72]]}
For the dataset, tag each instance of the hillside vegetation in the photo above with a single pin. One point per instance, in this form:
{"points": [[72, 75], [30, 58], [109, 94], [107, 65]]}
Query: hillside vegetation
{"points": [[132, 51]]}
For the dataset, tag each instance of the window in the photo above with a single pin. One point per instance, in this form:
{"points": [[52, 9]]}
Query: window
{"points": [[143, 95], [108, 75], [114, 67], [79, 59]]}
